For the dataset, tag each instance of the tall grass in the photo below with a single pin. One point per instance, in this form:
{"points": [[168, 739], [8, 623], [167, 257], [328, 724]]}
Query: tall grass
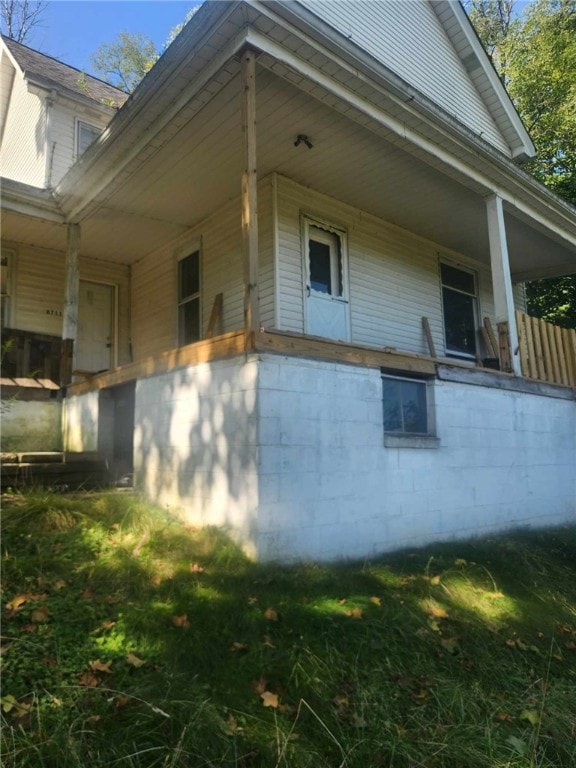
{"points": [[129, 640]]}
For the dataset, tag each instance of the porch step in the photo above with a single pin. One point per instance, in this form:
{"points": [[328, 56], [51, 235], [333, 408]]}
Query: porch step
{"points": [[65, 471]]}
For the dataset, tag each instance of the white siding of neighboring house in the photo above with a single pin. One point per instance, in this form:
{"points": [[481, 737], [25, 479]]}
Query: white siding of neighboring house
{"points": [[39, 291], [414, 46], [393, 274], [23, 151], [154, 278]]}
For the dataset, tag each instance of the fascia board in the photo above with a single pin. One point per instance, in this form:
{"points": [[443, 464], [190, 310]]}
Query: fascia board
{"points": [[8, 52]]}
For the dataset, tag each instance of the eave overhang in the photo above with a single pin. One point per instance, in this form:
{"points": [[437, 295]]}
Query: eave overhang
{"points": [[27, 200], [364, 90]]}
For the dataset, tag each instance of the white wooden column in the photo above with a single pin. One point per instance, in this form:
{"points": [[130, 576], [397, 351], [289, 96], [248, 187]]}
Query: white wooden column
{"points": [[70, 311], [501, 278], [249, 197]]}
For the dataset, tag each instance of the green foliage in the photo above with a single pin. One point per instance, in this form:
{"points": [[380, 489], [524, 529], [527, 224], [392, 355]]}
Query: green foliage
{"points": [[535, 55], [129, 639], [125, 61]]}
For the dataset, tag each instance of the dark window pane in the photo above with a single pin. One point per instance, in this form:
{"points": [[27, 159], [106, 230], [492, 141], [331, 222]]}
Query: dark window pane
{"points": [[459, 322], [86, 135], [320, 266], [392, 406], [414, 407], [189, 276], [189, 321], [457, 278]]}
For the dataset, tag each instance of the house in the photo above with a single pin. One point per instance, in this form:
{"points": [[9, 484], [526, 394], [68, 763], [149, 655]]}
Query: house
{"points": [[312, 227]]}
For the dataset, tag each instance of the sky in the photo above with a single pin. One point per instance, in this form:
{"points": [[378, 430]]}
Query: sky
{"points": [[71, 30]]}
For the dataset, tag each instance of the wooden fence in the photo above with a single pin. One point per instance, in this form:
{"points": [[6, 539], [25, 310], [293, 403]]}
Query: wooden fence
{"points": [[547, 352]]}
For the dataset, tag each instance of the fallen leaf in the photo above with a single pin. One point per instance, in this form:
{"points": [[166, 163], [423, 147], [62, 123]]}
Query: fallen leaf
{"points": [[100, 666], [93, 719], [17, 603], [435, 610], [88, 679], [435, 580], [460, 562], [511, 643], [134, 661], [235, 647], [570, 645], [269, 699], [181, 621], [267, 640], [355, 613], [376, 600], [40, 615], [252, 600], [87, 594], [121, 700], [270, 614], [30, 628], [196, 568], [260, 685], [59, 584], [107, 624], [342, 601], [558, 657], [504, 716], [531, 715], [450, 644]]}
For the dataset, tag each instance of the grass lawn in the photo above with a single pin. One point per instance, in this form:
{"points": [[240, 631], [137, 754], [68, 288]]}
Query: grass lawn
{"points": [[129, 640]]}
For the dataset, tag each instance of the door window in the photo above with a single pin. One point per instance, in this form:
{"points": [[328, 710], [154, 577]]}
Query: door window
{"points": [[325, 261]]}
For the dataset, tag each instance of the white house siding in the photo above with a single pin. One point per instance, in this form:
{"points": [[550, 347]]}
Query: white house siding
{"points": [[39, 292], [7, 73], [329, 488], [23, 151], [393, 275], [154, 278], [62, 135], [195, 446], [414, 46]]}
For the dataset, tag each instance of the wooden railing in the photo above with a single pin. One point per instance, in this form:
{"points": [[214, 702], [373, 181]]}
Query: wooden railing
{"points": [[547, 352]]}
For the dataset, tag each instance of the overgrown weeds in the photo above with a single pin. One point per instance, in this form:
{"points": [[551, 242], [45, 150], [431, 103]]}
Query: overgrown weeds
{"points": [[130, 640]]}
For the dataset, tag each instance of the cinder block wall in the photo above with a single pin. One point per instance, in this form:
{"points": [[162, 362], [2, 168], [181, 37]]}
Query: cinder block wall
{"points": [[330, 488], [195, 445]]}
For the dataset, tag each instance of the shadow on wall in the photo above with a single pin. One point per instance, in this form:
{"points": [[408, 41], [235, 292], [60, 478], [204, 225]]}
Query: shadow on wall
{"points": [[81, 423], [195, 445]]}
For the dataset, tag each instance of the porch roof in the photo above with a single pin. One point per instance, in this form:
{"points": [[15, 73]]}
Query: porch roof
{"points": [[173, 153]]}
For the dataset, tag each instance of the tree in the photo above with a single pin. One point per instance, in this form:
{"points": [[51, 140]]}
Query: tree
{"points": [[125, 61], [535, 56], [19, 17]]}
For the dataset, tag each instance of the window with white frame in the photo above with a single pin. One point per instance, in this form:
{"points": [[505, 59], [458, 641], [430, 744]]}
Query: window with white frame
{"points": [[85, 135], [189, 299], [406, 406], [459, 303]]}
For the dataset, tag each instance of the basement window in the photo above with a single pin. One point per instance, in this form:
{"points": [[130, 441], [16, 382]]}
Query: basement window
{"points": [[189, 299], [459, 302], [408, 412]]}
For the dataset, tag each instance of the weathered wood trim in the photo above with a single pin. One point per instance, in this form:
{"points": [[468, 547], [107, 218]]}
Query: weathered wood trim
{"points": [[314, 347], [496, 380], [226, 345], [249, 194]]}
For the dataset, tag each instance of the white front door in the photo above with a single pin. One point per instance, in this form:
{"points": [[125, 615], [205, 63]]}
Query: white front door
{"points": [[327, 309], [94, 340]]}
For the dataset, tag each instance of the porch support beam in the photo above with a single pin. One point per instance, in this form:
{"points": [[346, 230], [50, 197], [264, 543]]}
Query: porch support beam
{"points": [[502, 282], [70, 311], [249, 197]]}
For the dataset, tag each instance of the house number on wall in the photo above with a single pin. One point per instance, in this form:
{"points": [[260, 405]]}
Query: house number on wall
{"points": [[54, 312]]}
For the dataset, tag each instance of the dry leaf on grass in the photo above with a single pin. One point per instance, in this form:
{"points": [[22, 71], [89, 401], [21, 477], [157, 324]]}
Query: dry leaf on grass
{"points": [[134, 661], [236, 647], [270, 614], [40, 615], [269, 699], [376, 600], [101, 666], [181, 621], [355, 613]]}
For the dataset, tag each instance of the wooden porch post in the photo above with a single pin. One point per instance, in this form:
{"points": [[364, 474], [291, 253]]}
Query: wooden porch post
{"points": [[70, 313], [502, 285], [249, 198]]}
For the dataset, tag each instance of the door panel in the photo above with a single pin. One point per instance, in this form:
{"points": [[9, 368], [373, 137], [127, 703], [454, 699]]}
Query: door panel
{"points": [[95, 315], [327, 310]]}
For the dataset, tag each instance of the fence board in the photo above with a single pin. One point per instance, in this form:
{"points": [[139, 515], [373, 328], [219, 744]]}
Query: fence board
{"points": [[540, 371], [547, 352]]}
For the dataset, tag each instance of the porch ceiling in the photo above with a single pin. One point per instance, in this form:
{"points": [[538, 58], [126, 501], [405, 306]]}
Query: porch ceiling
{"points": [[195, 170]]}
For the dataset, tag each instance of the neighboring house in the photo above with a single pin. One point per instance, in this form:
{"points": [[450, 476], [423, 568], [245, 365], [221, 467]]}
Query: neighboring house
{"points": [[283, 250]]}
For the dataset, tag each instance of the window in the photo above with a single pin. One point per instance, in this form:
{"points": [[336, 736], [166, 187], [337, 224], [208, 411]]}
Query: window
{"points": [[459, 304], [325, 261], [189, 299], [405, 406], [85, 135]]}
